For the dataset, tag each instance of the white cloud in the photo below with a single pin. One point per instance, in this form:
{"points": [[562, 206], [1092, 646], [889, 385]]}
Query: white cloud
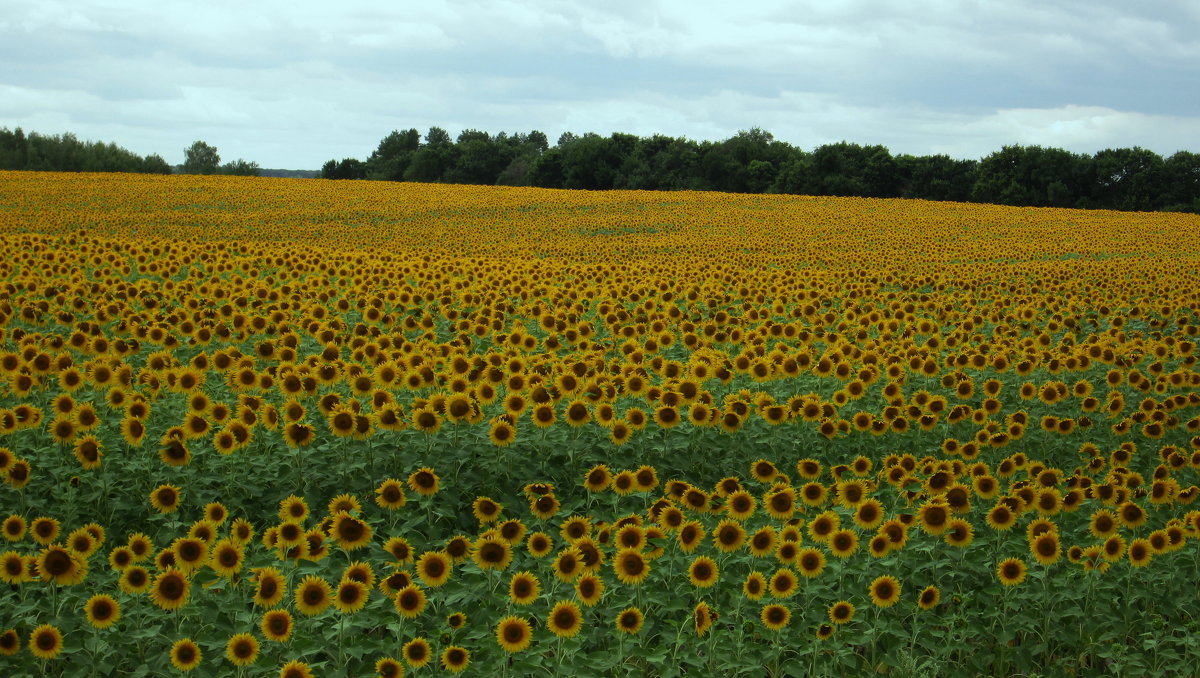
{"points": [[292, 83]]}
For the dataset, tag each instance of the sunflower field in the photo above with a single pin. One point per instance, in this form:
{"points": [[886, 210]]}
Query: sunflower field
{"points": [[273, 427]]}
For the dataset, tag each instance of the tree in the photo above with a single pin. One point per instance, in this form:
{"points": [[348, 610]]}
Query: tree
{"points": [[241, 168], [1182, 182], [155, 164], [201, 158], [1128, 178], [391, 158], [348, 168]]}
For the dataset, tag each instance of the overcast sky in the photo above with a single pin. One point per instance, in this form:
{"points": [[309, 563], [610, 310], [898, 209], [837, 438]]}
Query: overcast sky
{"points": [[293, 84]]}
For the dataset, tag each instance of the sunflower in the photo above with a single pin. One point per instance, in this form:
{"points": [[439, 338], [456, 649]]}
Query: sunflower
{"points": [[410, 601], [82, 543], [88, 452], [841, 612], [19, 474], [630, 566], [689, 536], [597, 479], [349, 532], [270, 586], [775, 616], [486, 510], [1011, 571], [703, 618], [351, 596], [539, 544], [811, 562], [843, 543], [780, 503], [277, 625], [630, 620], [1131, 515], [524, 588], [13, 568], [958, 533], [165, 559], [134, 580], [1045, 548], [63, 431], [703, 572], [458, 548], [879, 546], [10, 643], [824, 631], [165, 498], [417, 652], [102, 611], [568, 564], [399, 549], [513, 634], [1113, 548], [171, 589], [424, 482], [455, 659], [295, 669], [740, 505], [185, 654], [667, 417], [133, 431], [388, 667], [576, 413], [544, 506], [762, 542], [929, 598], [396, 580], [696, 499], [14, 528], [729, 536], [312, 595], [242, 649], [787, 551], [1001, 517], [783, 583], [61, 566], [297, 435], [933, 517], [763, 471], [823, 526], [624, 483], [492, 553], [360, 572], [190, 554], [434, 568], [885, 591], [44, 530], [1140, 552], [565, 619]]}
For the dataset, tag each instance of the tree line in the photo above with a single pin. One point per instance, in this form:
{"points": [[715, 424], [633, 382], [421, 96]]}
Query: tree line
{"points": [[66, 153], [754, 162]]}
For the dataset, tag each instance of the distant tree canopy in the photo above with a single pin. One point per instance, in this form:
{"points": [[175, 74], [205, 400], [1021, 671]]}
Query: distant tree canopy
{"points": [[201, 158], [754, 162], [65, 153]]}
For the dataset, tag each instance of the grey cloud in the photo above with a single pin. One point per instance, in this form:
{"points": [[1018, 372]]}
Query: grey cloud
{"points": [[294, 83]]}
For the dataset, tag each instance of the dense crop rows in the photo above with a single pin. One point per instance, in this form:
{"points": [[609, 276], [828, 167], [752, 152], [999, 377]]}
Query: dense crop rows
{"points": [[286, 427]]}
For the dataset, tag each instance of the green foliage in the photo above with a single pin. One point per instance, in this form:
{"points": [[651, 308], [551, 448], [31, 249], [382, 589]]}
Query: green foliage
{"points": [[201, 158], [752, 161], [66, 153]]}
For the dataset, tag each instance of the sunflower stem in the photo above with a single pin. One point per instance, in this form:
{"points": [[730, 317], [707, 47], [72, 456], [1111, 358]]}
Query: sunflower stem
{"points": [[341, 634]]}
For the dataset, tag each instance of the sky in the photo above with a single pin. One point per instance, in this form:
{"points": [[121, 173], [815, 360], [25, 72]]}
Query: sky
{"points": [[292, 84]]}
